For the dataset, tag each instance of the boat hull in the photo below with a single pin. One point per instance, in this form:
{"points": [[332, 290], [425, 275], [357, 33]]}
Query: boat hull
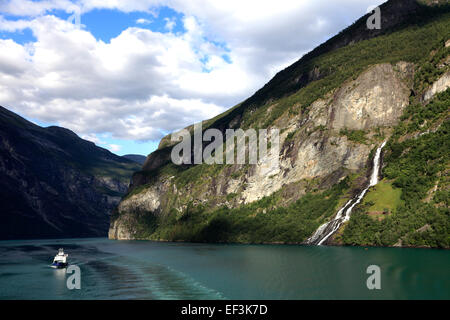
{"points": [[59, 265]]}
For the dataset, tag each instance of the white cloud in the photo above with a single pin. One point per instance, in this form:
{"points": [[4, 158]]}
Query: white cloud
{"points": [[170, 23], [93, 138], [143, 21], [143, 84], [114, 147], [128, 87], [33, 8]]}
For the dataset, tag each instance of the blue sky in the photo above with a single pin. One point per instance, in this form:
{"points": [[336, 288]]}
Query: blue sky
{"points": [[22, 36], [134, 71], [106, 24]]}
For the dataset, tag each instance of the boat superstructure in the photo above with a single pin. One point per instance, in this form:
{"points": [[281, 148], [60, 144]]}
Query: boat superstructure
{"points": [[60, 260]]}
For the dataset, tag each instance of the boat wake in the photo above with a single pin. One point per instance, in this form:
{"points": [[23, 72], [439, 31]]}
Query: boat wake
{"points": [[325, 231]]}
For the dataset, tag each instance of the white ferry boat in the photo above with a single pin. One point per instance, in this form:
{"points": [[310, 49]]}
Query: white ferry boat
{"points": [[60, 260]]}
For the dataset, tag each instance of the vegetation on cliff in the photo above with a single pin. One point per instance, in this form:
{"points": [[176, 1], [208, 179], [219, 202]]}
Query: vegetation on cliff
{"points": [[417, 163], [257, 222], [419, 167]]}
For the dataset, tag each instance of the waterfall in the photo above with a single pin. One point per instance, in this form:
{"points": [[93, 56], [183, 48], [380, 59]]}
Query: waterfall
{"points": [[327, 229]]}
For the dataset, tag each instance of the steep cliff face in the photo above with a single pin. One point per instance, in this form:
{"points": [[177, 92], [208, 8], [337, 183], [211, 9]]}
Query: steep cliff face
{"points": [[333, 108], [317, 150], [54, 184]]}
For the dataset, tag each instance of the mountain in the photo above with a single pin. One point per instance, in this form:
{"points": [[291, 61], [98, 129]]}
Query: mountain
{"points": [[136, 158], [334, 107], [55, 184]]}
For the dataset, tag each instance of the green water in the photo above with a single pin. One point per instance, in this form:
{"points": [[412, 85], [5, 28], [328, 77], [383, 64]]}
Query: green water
{"points": [[148, 270]]}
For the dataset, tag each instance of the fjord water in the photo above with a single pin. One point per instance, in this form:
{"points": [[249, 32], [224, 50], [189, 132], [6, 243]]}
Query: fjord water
{"points": [[151, 270]]}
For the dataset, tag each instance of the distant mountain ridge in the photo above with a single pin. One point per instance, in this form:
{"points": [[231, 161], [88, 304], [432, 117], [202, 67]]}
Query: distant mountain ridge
{"points": [[138, 158], [55, 184]]}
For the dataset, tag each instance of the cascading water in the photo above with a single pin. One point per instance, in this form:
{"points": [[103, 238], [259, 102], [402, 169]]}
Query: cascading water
{"points": [[327, 229]]}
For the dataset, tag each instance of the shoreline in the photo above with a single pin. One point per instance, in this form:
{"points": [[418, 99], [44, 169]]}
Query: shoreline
{"points": [[276, 243], [281, 243]]}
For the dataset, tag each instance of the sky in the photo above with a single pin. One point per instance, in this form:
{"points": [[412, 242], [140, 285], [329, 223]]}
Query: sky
{"points": [[124, 73]]}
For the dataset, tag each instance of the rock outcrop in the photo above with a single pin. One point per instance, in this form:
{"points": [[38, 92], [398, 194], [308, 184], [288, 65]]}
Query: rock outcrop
{"points": [[442, 84], [376, 98]]}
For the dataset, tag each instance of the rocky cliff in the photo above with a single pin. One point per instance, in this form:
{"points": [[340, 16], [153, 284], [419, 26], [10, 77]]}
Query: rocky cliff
{"points": [[333, 108], [55, 184]]}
